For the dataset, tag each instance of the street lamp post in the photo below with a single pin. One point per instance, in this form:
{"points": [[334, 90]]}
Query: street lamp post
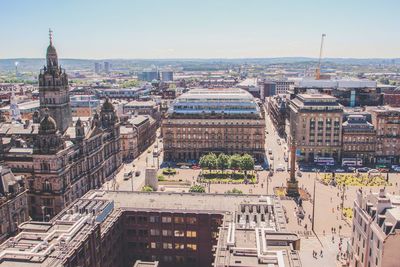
{"points": [[342, 204], [43, 208], [313, 209], [132, 179]]}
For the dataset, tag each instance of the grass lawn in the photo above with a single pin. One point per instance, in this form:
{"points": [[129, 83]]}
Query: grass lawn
{"points": [[348, 213], [356, 180], [226, 177]]}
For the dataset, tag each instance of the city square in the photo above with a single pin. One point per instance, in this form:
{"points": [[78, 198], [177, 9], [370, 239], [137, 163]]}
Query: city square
{"points": [[199, 133]]}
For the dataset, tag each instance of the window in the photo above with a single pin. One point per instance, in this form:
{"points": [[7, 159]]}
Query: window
{"points": [[154, 232], [191, 234], [179, 233], [166, 219], [167, 258], [166, 232], [167, 245], [179, 220], [191, 220], [46, 185], [192, 247], [154, 219], [179, 246]]}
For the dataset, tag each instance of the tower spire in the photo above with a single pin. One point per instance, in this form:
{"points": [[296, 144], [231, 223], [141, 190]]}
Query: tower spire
{"points": [[51, 36]]}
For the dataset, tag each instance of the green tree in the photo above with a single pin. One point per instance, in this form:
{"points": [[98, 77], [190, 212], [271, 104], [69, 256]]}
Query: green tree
{"points": [[223, 162], [234, 191], [208, 161], [197, 189], [204, 161], [234, 162], [147, 188], [212, 161], [247, 163]]}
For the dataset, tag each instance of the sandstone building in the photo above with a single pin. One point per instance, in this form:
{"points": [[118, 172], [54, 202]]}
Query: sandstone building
{"points": [[63, 157], [213, 120]]}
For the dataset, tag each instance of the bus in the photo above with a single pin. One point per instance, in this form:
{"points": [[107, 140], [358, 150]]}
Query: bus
{"points": [[352, 162], [325, 161]]}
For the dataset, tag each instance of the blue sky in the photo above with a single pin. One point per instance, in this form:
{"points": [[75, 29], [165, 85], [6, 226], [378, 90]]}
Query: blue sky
{"points": [[200, 29]]}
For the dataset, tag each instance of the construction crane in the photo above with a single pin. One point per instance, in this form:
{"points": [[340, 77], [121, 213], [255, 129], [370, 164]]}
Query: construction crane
{"points": [[318, 70]]}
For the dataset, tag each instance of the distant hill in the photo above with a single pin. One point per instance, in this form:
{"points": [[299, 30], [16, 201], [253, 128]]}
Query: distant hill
{"points": [[34, 64]]}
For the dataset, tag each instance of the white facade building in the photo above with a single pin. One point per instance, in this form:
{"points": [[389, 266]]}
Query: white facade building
{"points": [[375, 238]]}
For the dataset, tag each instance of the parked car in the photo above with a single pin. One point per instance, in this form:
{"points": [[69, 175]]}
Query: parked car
{"points": [[258, 168], [373, 171], [304, 169], [270, 151], [396, 168], [271, 157], [127, 175], [195, 167], [286, 159], [363, 169], [339, 170], [137, 173], [383, 169], [352, 169], [299, 174], [185, 167], [279, 141], [280, 168]]}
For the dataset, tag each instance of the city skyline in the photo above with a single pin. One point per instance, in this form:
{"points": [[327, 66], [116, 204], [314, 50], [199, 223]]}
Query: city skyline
{"points": [[225, 29]]}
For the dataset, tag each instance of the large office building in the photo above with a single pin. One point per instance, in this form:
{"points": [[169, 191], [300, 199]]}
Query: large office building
{"points": [[149, 76], [213, 120], [386, 121], [143, 108], [116, 228], [277, 108], [349, 92], [316, 126], [84, 105], [358, 139], [375, 239], [167, 76], [63, 157]]}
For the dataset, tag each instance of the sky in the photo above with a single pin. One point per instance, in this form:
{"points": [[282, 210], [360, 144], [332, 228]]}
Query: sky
{"points": [[98, 29]]}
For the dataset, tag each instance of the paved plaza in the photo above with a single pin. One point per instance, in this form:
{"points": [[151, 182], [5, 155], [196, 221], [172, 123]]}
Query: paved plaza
{"points": [[330, 226]]}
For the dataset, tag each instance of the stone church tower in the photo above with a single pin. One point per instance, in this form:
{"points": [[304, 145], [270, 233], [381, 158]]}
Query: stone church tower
{"points": [[54, 90]]}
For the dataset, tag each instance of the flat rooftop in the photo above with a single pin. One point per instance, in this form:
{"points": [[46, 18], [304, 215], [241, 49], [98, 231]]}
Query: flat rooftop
{"points": [[149, 103], [340, 83], [146, 264], [175, 201]]}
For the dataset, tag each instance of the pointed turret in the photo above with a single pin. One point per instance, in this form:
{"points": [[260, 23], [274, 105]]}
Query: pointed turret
{"points": [[51, 54], [54, 90]]}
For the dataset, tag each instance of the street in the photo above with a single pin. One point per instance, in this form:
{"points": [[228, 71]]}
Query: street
{"points": [[145, 159]]}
